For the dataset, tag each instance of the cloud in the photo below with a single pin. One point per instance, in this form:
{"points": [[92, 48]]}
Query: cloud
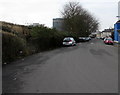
{"points": [[43, 11]]}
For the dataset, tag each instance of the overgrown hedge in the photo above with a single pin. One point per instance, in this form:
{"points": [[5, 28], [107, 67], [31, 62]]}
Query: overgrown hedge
{"points": [[41, 39], [45, 38], [13, 47]]}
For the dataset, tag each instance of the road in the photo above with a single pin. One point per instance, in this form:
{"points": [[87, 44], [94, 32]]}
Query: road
{"points": [[90, 67]]}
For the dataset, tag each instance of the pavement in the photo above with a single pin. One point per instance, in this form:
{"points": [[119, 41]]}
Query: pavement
{"points": [[90, 67]]}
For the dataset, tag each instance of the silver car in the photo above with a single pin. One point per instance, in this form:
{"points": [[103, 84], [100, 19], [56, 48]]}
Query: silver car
{"points": [[69, 41]]}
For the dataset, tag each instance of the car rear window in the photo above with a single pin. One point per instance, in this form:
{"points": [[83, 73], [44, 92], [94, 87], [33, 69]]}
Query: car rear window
{"points": [[109, 39], [66, 40]]}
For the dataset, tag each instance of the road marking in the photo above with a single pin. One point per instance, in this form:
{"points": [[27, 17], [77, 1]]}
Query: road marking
{"points": [[91, 43]]}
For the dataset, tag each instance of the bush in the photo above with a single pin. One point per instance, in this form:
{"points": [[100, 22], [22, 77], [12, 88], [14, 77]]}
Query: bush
{"points": [[13, 47], [45, 38], [41, 38]]}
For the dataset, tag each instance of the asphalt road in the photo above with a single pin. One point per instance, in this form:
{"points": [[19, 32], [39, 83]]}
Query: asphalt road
{"points": [[90, 67]]}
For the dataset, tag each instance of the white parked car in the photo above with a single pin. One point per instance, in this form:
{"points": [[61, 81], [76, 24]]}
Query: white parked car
{"points": [[69, 41]]}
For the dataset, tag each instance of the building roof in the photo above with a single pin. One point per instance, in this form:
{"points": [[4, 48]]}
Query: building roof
{"points": [[108, 30]]}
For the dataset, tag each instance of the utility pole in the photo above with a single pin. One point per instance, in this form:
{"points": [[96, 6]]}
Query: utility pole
{"points": [[118, 11]]}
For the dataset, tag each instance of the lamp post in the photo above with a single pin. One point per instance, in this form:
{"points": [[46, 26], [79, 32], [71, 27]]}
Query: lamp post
{"points": [[118, 17]]}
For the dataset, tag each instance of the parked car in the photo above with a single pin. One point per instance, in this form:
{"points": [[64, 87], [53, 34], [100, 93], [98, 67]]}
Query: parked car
{"points": [[69, 41], [84, 39], [102, 38], [88, 38], [98, 37], [93, 36], [108, 41]]}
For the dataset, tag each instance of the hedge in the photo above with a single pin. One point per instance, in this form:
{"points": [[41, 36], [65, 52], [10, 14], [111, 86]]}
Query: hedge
{"points": [[13, 47], [41, 39]]}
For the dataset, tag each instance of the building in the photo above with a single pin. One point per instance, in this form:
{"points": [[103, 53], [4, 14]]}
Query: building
{"points": [[117, 31], [58, 24], [117, 26], [106, 32], [98, 35], [36, 24]]}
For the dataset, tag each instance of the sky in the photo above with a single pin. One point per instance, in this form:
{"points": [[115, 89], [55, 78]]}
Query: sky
{"points": [[43, 11]]}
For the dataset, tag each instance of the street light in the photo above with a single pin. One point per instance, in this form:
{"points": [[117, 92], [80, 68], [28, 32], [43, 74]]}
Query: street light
{"points": [[118, 17]]}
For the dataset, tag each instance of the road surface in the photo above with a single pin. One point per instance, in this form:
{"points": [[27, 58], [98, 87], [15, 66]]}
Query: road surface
{"points": [[90, 67]]}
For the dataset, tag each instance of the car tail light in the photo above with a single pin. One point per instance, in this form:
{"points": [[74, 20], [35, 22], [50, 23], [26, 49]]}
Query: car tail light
{"points": [[70, 40]]}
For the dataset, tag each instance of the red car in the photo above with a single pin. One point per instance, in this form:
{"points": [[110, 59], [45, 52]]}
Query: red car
{"points": [[108, 41]]}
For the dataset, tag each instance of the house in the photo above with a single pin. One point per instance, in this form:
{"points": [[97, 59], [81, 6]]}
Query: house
{"points": [[98, 35], [107, 32], [117, 31], [35, 24], [117, 26]]}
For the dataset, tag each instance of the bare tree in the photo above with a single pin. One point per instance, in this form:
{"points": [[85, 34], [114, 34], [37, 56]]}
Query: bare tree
{"points": [[78, 20]]}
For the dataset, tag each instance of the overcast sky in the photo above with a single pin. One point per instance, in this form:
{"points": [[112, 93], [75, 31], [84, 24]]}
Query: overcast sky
{"points": [[43, 11]]}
